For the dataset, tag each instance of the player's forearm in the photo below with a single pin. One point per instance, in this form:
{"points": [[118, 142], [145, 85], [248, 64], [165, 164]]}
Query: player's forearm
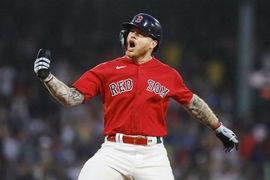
{"points": [[201, 111], [64, 94]]}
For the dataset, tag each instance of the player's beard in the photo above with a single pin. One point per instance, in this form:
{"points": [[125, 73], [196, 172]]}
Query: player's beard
{"points": [[138, 54]]}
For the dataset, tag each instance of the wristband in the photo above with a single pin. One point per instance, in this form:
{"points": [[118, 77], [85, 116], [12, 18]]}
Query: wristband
{"points": [[48, 79], [216, 126], [219, 129]]}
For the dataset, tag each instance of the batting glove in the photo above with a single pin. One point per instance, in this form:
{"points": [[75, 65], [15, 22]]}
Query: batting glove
{"points": [[227, 137], [42, 66]]}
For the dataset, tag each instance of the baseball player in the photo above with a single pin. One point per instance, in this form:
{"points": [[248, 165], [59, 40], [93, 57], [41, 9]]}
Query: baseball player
{"points": [[135, 90]]}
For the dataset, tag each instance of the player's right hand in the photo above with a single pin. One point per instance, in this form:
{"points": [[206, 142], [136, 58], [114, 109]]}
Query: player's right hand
{"points": [[42, 65], [227, 137]]}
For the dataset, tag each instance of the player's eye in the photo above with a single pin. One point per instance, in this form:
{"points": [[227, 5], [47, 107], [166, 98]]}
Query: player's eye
{"points": [[137, 33], [141, 34]]}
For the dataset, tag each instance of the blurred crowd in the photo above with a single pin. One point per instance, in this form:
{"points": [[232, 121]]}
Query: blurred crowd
{"points": [[42, 140]]}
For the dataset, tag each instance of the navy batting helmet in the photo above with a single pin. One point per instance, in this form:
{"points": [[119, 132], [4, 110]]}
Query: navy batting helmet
{"points": [[145, 22]]}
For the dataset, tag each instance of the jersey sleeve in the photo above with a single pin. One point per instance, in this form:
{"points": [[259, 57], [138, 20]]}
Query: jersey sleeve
{"points": [[181, 93], [90, 83]]}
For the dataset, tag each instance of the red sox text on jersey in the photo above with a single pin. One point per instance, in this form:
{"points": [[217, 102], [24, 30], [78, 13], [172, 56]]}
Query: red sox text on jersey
{"points": [[126, 85]]}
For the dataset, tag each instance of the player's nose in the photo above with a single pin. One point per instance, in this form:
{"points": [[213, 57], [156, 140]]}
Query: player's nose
{"points": [[133, 34]]}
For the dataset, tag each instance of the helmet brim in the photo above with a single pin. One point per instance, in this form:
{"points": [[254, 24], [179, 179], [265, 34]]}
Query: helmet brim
{"points": [[127, 25]]}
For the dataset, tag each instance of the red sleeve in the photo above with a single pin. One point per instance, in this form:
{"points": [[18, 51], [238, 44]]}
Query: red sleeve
{"points": [[90, 83], [181, 93]]}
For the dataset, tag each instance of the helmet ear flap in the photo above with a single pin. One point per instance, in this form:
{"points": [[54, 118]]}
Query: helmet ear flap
{"points": [[123, 38]]}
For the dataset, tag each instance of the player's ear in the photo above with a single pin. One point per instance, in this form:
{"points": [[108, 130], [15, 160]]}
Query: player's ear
{"points": [[154, 43]]}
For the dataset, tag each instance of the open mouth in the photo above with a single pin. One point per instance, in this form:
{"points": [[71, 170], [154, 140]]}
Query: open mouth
{"points": [[131, 45]]}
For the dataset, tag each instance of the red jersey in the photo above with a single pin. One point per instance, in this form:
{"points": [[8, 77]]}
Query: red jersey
{"points": [[135, 96]]}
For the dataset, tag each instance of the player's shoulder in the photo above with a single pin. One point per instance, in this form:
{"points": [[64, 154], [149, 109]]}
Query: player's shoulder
{"points": [[164, 66], [110, 62], [113, 61]]}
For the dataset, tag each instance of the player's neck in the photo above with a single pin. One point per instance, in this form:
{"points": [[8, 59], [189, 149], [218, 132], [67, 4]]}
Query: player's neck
{"points": [[144, 60], [141, 60]]}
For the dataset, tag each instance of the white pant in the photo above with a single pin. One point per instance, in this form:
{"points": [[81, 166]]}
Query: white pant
{"points": [[119, 161]]}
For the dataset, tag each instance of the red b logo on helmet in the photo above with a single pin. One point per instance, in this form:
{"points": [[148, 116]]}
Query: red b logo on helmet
{"points": [[139, 19]]}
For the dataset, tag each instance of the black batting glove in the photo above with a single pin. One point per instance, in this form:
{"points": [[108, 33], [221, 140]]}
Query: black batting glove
{"points": [[42, 65], [227, 137]]}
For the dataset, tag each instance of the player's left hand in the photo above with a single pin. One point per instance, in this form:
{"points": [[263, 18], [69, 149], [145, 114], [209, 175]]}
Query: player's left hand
{"points": [[227, 137], [42, 65]]}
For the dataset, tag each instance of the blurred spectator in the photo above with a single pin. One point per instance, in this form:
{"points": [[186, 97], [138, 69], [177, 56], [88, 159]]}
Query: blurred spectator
{"points": [[260, 81]]}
